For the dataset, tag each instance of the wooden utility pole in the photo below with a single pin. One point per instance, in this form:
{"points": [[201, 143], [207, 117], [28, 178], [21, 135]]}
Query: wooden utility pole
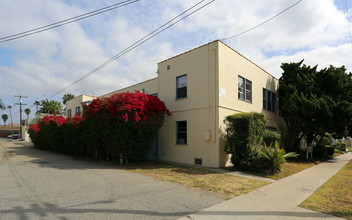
{"points": [[20, 98]]}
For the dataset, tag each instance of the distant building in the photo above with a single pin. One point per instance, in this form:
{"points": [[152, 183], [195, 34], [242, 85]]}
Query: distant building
{"points": [[74, 106]]}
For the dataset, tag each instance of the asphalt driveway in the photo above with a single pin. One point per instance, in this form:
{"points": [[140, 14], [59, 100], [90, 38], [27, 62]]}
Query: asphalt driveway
{"points": [[37, 184]]}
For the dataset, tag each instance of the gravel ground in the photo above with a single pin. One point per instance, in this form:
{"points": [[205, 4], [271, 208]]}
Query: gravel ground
{"points": [[43, 185]]}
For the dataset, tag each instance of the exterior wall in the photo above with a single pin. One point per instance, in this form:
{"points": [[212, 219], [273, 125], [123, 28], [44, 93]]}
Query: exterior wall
{"points": [[212, 94], [149, 87], [232, 65], [77, 101], [198, 108]]}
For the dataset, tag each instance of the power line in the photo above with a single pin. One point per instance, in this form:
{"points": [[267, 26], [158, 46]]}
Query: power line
{"points": [[145, 12], [66, 21], [144, 39], [243, 32]]}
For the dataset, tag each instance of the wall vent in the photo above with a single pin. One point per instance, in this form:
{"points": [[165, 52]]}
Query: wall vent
{"points": [[198, 161], [168, 67]]}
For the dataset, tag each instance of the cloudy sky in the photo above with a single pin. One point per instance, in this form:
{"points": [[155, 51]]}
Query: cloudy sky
{"points": [[40, 65]]}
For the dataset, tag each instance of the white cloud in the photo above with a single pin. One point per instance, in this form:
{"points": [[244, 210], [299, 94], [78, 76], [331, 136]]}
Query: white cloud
{"points": [[42, 64]]}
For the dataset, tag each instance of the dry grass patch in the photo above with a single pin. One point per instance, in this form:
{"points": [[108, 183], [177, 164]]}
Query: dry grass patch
{"points": [[335, 196], [292, 167], [226, 185]]}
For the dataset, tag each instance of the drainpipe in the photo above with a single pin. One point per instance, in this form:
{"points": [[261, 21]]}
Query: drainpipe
{"points": [[215, 93]]}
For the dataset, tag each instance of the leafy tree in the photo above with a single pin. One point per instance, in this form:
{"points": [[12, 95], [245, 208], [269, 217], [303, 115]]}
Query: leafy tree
{"points": [[67, 97], [9, 108], [27, 111], [314, 102], [2, 105], [4, 118], [50, 107]]}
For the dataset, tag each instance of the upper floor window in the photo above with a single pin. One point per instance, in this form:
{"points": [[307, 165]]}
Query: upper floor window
{"points": [[78, 110], [244, 89], [269, 100], [181, 86], [69, 113]]}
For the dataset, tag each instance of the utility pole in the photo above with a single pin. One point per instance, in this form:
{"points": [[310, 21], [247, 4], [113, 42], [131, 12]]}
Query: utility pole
{"points": [[20, 98]]}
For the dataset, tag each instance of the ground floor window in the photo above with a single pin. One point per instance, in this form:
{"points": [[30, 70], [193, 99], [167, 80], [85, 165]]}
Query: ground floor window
{"points": [[181, 132]]}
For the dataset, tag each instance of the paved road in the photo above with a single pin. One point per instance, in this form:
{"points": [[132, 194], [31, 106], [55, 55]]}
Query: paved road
{"points": [[42, 185]]}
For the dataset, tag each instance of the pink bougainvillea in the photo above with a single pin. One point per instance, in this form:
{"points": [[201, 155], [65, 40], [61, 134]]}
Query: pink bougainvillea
{"points": [[123, 124], [126, 105], [34, 127], [75, 121], [58, 119]]}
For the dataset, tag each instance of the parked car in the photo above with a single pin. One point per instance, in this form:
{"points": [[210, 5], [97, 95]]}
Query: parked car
{"points": [[13, 136]]}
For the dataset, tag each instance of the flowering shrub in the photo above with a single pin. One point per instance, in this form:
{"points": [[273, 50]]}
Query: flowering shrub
{"points": [[123, 124], [47, 134], [34, 127], [57, 119]]}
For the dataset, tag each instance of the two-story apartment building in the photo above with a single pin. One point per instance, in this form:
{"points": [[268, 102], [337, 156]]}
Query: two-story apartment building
{"points": [[74, 106], [201, 87]]}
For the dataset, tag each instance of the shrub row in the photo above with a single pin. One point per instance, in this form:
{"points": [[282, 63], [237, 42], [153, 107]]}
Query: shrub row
{"points": [[123, 124]]}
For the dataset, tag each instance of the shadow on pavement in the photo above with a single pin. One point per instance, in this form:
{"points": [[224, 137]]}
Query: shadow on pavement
{"points": [[46, 209]]}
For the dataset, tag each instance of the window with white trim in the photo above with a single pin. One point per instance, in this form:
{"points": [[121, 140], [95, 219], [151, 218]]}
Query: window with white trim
{"points": [[69, 113], [244, 89]]}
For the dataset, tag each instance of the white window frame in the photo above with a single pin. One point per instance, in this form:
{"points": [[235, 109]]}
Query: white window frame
{"points": [[243, 91]]}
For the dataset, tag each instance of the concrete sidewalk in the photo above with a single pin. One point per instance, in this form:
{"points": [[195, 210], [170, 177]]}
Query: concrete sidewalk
{"points": [[280, 199]]}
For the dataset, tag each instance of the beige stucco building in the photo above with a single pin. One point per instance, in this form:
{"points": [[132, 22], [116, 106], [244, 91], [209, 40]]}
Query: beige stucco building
{"points": [[200, 88], [74, 106]]}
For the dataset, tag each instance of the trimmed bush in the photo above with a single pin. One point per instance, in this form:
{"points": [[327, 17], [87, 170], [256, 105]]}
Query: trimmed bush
{"points": [[270, 137], [329, 151], [244, 133], [323, 153], [340, 146]]}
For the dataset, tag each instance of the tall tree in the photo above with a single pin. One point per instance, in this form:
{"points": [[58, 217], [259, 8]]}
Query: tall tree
{"points": [[67, 97], [50, 107], [314, 102], [36, 103], [9, 108], [2, 105], [4, 118], [27, 111]]}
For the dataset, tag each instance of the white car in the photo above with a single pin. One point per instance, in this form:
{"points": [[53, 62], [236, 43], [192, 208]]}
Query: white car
{"points": [[13, 136]]}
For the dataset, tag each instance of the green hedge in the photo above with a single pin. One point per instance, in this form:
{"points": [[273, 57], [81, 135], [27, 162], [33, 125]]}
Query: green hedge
{"points": [[244, 134]]}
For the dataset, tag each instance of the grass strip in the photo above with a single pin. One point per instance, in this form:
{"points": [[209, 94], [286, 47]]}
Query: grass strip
{"points": [[335, 196], [290, 168], [226, 185]]}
